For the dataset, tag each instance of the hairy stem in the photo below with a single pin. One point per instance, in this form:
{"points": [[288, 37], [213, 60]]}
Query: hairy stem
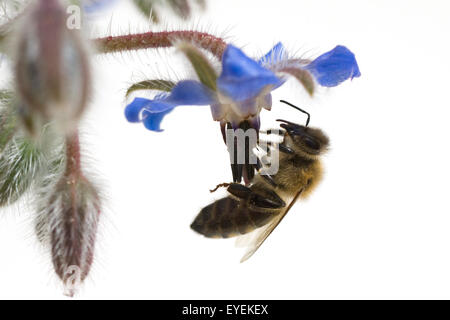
{"points": [[73, 166], [163, 39]]}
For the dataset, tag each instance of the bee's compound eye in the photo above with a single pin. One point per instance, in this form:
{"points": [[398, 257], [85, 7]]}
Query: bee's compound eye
{"points": [[311, 143]]}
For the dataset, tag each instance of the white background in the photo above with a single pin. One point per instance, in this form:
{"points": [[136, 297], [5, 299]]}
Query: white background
{"points": [[377, 227]]}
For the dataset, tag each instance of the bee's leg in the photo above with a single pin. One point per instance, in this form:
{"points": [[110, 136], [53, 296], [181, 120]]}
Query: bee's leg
{"points": [[261, 162], [220, 185], [239, 190], [269, 200], [269, 179]]}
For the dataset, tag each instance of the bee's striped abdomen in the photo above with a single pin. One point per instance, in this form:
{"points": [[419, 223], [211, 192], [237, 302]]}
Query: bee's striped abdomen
{"points": [[229, 217]]}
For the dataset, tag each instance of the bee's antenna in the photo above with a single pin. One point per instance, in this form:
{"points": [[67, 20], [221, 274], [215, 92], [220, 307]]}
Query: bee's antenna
{"points": [[301, 110]]}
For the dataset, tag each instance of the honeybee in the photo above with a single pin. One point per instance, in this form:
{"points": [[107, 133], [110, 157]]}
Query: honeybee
{"points": [[260, 207]]}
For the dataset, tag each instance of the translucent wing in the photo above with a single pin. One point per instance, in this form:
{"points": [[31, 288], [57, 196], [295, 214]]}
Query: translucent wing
{"points": [[260, 235]]}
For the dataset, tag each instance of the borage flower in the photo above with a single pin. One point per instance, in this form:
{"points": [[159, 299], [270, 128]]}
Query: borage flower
{"points": [[243, 88]]}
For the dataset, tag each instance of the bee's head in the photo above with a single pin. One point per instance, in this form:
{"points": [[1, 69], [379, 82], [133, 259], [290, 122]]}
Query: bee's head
{"points": [[306, 141]]}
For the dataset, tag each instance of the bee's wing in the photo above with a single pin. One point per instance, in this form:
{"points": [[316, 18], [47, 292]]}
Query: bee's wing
{"points": [[245, 240], [260, 235]]}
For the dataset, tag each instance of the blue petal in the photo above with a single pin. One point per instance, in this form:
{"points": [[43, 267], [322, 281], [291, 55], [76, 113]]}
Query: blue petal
{"points": [[153, 121], [157, 106], [133, 111], [152, 112], [334, 67], [190, 92], [277, 54], [243, 78]]}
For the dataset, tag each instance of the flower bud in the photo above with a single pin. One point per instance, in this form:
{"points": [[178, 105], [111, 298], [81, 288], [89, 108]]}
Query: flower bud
{"points": [[52, 68], [68, 215], [70, 224]]}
